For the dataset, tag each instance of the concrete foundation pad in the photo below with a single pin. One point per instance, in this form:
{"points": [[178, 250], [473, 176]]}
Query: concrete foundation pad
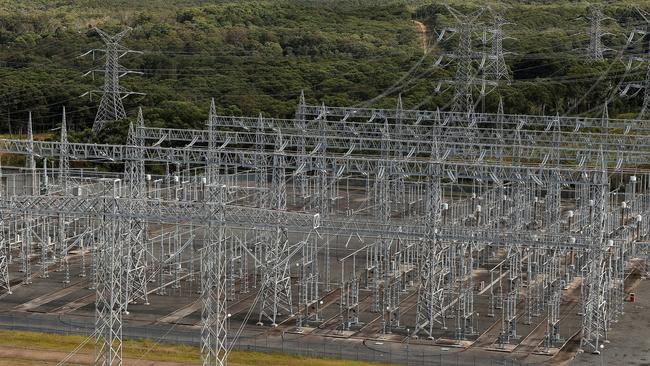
{"points": [[501, 348], [301, 330], [550, 352], [338, 334], [453, 343]]}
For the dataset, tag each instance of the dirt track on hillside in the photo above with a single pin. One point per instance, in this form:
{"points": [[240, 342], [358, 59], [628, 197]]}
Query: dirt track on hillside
{"points": [[422, 33]]}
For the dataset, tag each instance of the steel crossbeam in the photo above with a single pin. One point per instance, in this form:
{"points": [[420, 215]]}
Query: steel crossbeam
{"points": [[575, 148], [411, 166]]}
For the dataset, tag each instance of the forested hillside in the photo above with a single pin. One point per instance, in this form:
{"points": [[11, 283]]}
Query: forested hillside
{"points": [[256, 56]]}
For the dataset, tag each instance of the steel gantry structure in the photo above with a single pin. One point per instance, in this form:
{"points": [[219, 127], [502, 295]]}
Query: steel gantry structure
{"points": [[425, 198]]}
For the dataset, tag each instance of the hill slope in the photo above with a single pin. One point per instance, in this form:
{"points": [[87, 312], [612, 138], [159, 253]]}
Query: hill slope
{"points": [[256, 56]]}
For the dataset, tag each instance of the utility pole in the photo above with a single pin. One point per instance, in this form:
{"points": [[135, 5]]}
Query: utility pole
{"points": [[110, 106]]}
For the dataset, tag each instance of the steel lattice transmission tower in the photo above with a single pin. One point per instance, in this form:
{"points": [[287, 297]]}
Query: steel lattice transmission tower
{"points": [[64, 161], [214, 317], [5, 254], [645, 109], [594, 291], [596, 48], [110, 106], [135, 182], [109, 303], [497, 69], [430, 307], [464, 78], [643, 58]]}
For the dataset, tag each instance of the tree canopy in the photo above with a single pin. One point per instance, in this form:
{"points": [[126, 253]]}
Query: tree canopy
{"points": [[256, 56]]}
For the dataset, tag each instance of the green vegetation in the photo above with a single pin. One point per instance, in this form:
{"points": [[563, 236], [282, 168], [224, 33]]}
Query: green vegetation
{"points": [[149, 350], [132, 348], [256, 56]]}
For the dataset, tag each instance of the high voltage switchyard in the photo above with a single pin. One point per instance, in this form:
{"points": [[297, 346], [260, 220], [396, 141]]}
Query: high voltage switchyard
{"points": [[510, 234]]}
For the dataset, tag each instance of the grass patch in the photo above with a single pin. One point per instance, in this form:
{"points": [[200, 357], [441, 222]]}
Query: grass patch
{"points": [[131, 348], [150, 350], [276, 359]]}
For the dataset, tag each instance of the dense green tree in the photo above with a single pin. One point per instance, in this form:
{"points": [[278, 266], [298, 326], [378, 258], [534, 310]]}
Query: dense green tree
{"points": [[256, 56]]}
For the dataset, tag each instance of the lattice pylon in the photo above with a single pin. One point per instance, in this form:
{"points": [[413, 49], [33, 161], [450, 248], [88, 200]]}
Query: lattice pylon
{"points": [[109, 301], [464, 79], [301, 124], [214, 317], [430, 305], [135, 182], [5, 285], [594, 307], [430, 308], [212, 169], [64, 172], [31, 162], [596, 48], [261, 177], [64, 159], [111, 107], [276, 282], [497, 69]]}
